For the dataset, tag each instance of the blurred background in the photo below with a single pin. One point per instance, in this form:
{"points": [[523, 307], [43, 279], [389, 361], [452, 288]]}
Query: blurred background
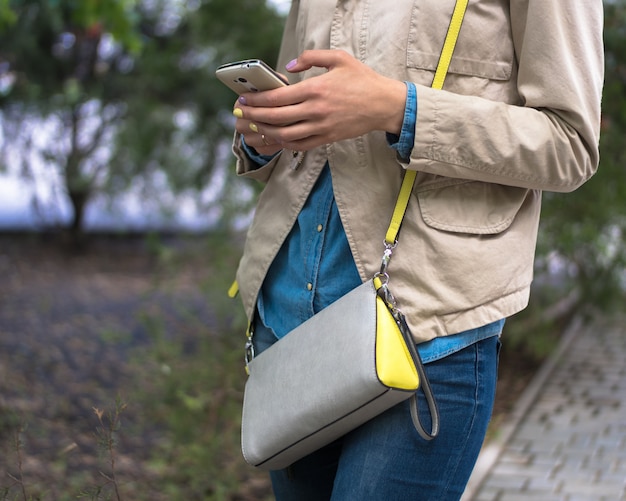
{"points": [[121, 225]]}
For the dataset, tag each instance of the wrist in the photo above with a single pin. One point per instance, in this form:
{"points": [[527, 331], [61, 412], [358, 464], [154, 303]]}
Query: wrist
{"points": [[393, 115]]}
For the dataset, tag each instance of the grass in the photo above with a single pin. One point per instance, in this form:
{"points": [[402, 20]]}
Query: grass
{"points": [[170, 431]]}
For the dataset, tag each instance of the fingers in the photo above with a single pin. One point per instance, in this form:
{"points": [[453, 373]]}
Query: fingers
{"points": [[261, 143], [265, 137], [254, 138]]}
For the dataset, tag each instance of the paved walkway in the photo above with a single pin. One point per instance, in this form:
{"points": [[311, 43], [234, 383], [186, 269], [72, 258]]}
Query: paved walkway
{"points": [[566, 439]]}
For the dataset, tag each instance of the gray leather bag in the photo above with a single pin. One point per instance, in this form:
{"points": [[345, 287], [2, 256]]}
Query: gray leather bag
{"points": [[322, 380]]}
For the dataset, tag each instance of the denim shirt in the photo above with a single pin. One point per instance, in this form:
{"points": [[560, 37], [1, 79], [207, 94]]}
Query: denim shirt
{"points": [[314, 266]]}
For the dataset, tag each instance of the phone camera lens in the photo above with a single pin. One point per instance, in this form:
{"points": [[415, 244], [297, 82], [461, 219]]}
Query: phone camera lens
{"points": [[242, 80]]}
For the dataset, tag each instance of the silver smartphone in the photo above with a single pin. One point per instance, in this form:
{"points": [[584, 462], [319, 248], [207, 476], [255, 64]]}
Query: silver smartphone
{"points": [[251, 75]]}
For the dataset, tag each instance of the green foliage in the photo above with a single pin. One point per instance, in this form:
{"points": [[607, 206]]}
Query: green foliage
{"points": [[111, 93], [176, 433], [7, 15], [195, 395], [197, 401], [52, 50], [116, 17]]}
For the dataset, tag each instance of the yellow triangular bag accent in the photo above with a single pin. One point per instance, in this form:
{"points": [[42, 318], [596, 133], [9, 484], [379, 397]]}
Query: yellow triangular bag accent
{"points": [[394, 364]]}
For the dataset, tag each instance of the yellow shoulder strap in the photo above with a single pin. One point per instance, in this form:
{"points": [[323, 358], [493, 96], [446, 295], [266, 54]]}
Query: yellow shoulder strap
{"points": [[450, 43], [440, 76], [233, 290]]}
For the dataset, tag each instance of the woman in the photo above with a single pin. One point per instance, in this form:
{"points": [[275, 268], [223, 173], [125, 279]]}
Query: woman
{"points": [[519, 114]]}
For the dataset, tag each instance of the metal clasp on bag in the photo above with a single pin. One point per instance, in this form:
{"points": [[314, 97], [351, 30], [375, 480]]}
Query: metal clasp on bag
{"points": [[249, 348], [382, 277], [389, 248]]}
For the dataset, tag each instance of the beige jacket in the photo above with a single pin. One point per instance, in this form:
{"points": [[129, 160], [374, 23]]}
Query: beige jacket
{"points": [[519, 113]]}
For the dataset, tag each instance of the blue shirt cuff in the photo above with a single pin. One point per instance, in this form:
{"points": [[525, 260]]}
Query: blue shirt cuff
{"points": [[255, 156], [403, 144]]}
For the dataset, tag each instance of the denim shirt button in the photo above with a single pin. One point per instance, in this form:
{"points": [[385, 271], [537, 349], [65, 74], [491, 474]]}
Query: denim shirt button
{"points": [[309, 286], [319, 228]]}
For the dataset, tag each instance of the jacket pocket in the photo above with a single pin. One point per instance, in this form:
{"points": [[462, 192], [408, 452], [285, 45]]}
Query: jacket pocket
{"points": [[485, 46], [471, 207]]}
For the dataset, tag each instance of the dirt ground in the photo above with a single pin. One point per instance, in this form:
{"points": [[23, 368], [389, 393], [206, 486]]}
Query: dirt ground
{"points": [[69, 323], [65, 319]]}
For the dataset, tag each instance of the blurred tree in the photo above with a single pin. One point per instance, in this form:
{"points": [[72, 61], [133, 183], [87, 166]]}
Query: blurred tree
{"points": [[109, 92]]}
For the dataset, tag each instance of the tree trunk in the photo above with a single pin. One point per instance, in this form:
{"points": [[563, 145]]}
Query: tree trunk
{"points": [[76, 235]]}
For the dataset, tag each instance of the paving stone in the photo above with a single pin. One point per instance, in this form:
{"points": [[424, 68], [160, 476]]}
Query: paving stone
{"points": [[508, 483], [527, 496], [571, 443], [488, 494], [543, 484], [592, 491]]}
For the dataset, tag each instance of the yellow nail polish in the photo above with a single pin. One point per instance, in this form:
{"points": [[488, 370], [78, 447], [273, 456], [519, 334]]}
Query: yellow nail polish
{"points": [[253, 127], [238, 112]]}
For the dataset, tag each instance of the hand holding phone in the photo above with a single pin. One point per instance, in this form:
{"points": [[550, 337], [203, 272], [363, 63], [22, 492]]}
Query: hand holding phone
{"points": [[251, 75]]}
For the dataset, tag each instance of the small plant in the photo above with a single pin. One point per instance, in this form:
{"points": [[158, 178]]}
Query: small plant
{"points": [[109, 426], [18, 478]]}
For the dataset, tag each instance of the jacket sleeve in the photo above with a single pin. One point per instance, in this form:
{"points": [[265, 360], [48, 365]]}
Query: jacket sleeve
{"points": [[549, 141]]}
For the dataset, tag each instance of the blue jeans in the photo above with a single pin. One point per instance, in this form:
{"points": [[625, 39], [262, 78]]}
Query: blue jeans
{"points": [[385, 459]]}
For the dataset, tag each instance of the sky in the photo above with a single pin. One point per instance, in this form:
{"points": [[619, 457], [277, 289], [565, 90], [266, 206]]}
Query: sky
{"points": [[281, 5]]}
